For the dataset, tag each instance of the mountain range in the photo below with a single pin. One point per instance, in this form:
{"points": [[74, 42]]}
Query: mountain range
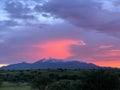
{"points": [[51, 64]]}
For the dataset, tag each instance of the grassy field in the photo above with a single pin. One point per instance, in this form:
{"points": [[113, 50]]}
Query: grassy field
{"points": [[15, 86]]}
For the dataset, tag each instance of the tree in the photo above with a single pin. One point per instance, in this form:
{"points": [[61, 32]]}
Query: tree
{"points": [[54, 76], [60, 85], [41, 82], [1, 81], [76, 85], [101, 80], [66, 85]]}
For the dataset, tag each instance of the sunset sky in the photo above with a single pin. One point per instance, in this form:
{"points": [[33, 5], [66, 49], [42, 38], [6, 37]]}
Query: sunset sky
{"points": [[88, 30]]}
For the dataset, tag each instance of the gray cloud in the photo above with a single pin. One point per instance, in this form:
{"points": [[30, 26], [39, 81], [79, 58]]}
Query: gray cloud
{"points": [[24, 27], [86, 14], [17, 10]]}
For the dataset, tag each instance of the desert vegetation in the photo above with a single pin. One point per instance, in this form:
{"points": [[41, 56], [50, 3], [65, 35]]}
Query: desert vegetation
{"points": [[60, 79]]}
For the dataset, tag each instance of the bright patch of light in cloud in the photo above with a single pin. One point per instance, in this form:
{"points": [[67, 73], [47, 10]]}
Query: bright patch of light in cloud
{"points": [[1, 65]]}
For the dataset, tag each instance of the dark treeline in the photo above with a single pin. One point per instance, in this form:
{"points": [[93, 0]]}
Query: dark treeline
{"points": [[64, 79]]}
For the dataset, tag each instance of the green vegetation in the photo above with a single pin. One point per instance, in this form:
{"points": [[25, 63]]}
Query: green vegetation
{"points": [[66, 85], [1, 80], [15, 86], [101, 80], [60, 79], [41, 82]]}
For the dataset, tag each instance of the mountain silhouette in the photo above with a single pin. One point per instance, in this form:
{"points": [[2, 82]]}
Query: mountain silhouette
{"points": [[51, 64]]}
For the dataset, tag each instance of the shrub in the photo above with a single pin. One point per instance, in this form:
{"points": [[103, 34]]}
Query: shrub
{"points": [[41, 82], [66, 85], [101, 80]]}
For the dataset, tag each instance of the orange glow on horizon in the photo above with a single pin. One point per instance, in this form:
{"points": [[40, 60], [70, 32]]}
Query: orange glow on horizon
{"points": [[115, 64], [113, 57], [1, 65], [60, 50]]}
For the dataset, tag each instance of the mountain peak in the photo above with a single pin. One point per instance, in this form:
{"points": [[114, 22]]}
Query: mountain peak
{"points": [[49, 60], [52, 63]]}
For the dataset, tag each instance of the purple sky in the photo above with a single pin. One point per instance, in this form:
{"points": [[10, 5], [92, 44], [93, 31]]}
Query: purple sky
{"points": [[88, 30]]}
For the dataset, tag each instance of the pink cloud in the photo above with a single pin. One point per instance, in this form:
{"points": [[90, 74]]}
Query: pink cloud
{"points": [[106, 54], [57, 49]]}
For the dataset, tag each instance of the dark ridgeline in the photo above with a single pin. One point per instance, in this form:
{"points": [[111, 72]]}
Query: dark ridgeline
{"points": [[51, 64]]}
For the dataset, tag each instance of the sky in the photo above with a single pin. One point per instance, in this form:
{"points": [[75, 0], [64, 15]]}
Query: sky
{"points": [[86, 30]]}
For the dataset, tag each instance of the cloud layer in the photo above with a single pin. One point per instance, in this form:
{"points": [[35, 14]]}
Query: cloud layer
{"points": [[92, 14], [35, 29]]}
